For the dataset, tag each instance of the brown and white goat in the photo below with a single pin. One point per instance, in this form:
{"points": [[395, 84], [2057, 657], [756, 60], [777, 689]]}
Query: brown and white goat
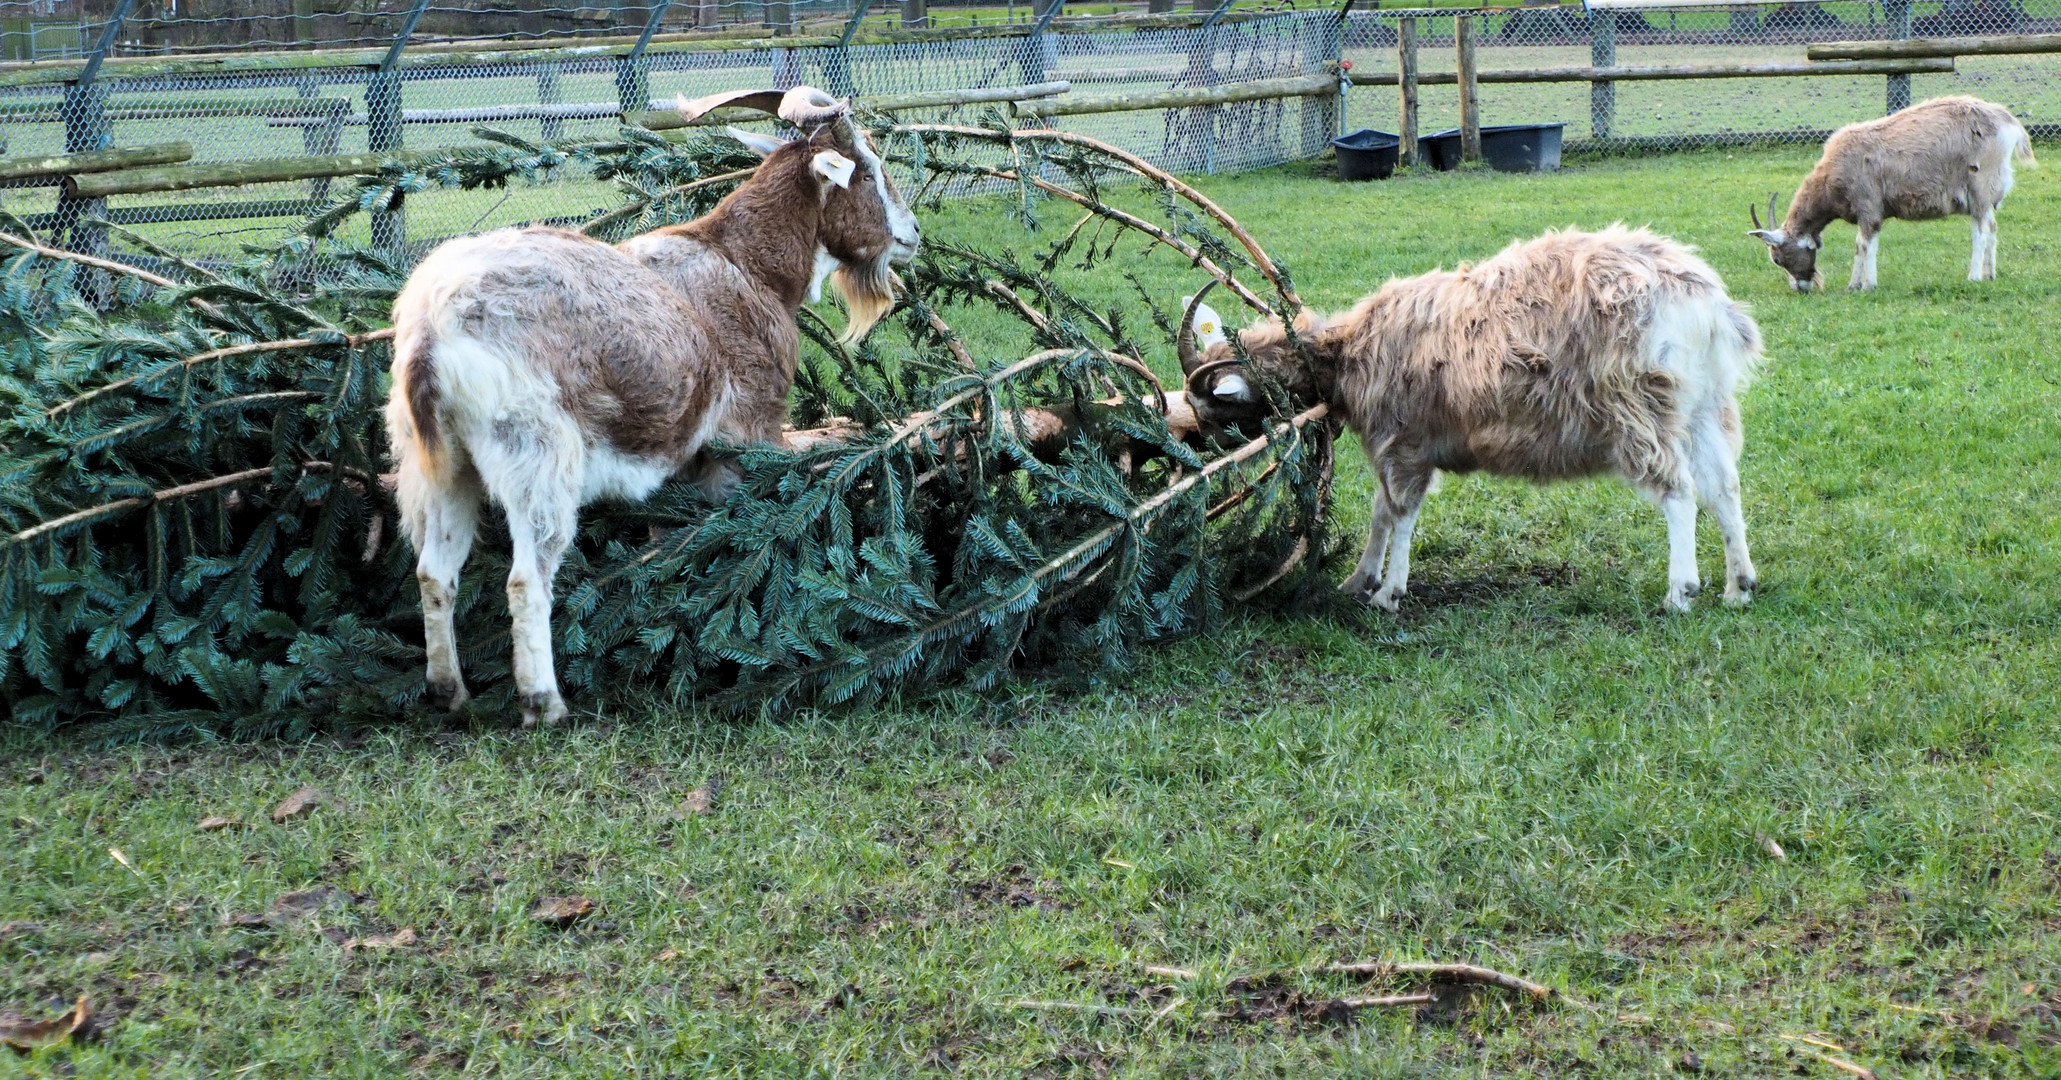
{"points": [[542, 370], [1950, 155], [1565, 356]]}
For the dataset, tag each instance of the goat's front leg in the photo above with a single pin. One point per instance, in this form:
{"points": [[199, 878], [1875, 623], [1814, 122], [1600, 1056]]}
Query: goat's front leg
{"points": [[1360, 586], [539, 536], [1395, 516], [1865, 247]]}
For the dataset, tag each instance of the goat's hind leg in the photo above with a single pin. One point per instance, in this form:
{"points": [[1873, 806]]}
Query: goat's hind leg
{"points": [[441, 517], [1715, 462], [1675, 493]]}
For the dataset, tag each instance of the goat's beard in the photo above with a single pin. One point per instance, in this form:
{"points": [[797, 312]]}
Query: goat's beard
{"points": [[869, 293]]}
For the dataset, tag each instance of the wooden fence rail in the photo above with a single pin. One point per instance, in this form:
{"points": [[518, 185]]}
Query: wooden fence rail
{"points": [[1641, 72], [1998, 45]]}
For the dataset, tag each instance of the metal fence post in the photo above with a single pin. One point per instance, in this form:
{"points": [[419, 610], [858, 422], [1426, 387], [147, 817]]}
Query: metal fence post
{"points": [[1602, 54], [86, 128], [1034, 46], [1897, 13], [1321, 115], [779, 16], [1470, 90], [383, 130], [1406, 79], [549, 93], [915, 14], [633, 72], [321, 135], [837, 66]]}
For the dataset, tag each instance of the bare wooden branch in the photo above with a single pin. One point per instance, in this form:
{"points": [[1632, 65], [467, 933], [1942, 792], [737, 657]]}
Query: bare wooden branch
{"points": [[1170, 972], [1193, 253], [1467, 973], [122, 157], [1386, 1002], [1144, 168], [1074, 1006]]}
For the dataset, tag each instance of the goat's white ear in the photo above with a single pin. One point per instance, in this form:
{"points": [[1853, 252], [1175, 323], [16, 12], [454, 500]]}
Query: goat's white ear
{"points": [[835, 167], [1766, 236], [1233, 387], [761, 145]]}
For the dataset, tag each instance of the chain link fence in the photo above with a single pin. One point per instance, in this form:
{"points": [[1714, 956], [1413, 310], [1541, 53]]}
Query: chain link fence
{"points": [[240, 107]]}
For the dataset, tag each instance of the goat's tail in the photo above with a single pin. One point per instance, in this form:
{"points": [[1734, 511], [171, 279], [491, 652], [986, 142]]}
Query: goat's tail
{"points": [[2023, 148], [411, 413]]}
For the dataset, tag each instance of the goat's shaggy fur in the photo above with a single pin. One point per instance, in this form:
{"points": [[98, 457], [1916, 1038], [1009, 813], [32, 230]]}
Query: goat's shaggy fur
{"points": [[1950, 155], [1569, 355], [543, 370]]}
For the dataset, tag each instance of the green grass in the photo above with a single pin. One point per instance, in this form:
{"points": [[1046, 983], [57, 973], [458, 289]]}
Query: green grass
{"points": [[1528, 769]]}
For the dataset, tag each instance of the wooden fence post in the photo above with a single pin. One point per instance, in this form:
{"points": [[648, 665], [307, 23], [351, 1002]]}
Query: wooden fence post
{"points": [[304, 21], [1602, 54], [915, 14], [1470, 90], [1406, 79], [1898, 91]]}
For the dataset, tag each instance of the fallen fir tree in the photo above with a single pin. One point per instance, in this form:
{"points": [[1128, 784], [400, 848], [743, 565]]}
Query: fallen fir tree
{"points": [[196, 538]]}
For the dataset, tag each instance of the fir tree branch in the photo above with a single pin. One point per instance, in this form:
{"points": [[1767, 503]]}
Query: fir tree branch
{"points": [[106, 264], [121, 506], [352, 341], [632, 208]]}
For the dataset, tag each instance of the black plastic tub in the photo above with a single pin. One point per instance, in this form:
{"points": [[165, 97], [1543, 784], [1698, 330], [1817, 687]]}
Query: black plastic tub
{"points": [[1366, 154], [1505, 147]]}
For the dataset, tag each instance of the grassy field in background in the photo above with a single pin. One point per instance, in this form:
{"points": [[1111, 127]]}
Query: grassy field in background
{"points": [[1528, 768]]}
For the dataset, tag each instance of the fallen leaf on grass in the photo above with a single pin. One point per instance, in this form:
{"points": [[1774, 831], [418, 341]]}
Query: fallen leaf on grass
{"points": [[668, 956], [562, 911], [299, 905], [300, 802], [24, 1036], [249, 920], [399, 939], [1773, 849], [214, 822], [696, 802]]}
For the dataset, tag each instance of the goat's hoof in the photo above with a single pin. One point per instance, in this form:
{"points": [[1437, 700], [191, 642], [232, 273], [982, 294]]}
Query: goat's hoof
{"points": [[1741, 592], [546, 709], [1389, 600], [1679, 596], [450, 696], [1358, 586]]}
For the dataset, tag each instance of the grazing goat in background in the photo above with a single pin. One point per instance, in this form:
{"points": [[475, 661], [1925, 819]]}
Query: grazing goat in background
{"points": [[1950, 155], [1565, 356], [543, 370]]}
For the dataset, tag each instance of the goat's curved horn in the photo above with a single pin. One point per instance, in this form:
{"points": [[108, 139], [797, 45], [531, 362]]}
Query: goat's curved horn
{"points": [[1755, 215], [1193, 384], [806, 107], [765, 101], [1184, 338], [1771, 207]]}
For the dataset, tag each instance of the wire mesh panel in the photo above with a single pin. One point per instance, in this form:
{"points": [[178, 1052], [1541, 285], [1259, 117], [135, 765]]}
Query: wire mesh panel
{"points": [[300, 103]]}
